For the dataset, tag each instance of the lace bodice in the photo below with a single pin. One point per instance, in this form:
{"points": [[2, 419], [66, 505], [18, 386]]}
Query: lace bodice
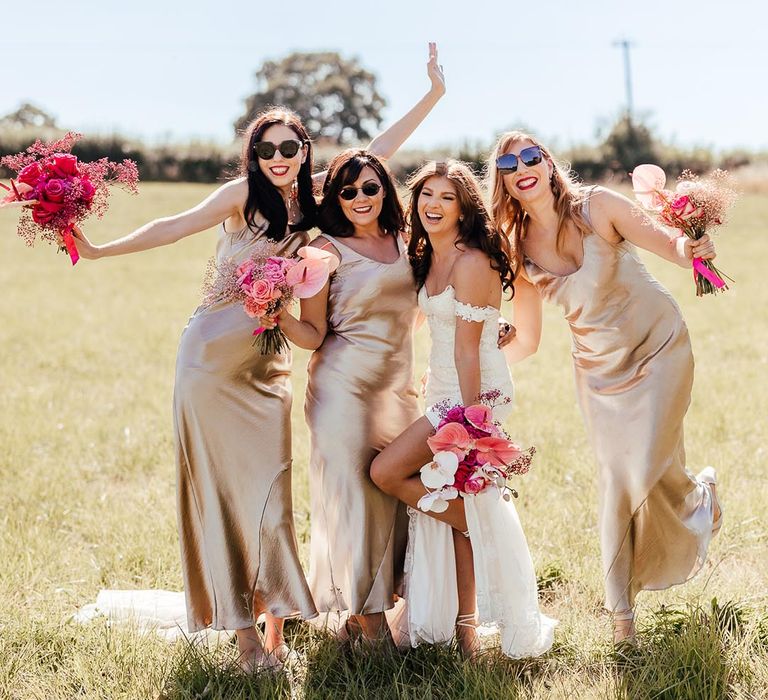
{"points": [[441, 311]]}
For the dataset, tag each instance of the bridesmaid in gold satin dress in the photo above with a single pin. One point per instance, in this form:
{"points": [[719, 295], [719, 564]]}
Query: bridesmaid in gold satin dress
{"points": [[360, 393], [632, 360], [232, 404]]}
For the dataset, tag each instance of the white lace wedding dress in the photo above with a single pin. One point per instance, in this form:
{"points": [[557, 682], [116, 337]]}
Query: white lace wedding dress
{"points": [[507, 596]]}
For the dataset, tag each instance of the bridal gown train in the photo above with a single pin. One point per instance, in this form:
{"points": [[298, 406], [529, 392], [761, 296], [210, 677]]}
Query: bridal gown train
{"points": [[505, 579]]}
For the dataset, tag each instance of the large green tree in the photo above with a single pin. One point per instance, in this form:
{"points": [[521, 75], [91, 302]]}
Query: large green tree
{"points": [[28, 115], [335, 97]]}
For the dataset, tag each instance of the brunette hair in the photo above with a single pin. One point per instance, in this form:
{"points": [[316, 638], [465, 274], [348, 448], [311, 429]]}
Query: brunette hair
{"points": [[475, 229], [343, 170], [263, 196], [511, 219]]}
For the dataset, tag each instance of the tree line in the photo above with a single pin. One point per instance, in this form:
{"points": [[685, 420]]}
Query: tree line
{"points": [[339, 102]]}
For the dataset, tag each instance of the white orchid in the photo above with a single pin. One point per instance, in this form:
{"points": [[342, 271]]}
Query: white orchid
{"points": [[437, 501], [441, 471]]}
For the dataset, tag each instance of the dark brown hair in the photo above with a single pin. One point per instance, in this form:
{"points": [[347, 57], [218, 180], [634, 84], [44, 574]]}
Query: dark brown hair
{"points": [[343, 170], [263, 196], [475, 229]]}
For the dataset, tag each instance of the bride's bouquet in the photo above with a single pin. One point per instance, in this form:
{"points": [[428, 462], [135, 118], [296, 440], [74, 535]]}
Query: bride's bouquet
{"points": [[267, 283], [472, 452], [695, 207], [57, 191]]}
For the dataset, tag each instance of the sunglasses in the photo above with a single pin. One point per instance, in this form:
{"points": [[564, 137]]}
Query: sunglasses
{"points": [[369, 189], [508, 162], [266, 149]]}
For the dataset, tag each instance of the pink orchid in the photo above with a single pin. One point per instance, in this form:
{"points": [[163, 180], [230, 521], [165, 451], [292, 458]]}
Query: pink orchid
{"points": [[312, 253], [496, 451], [452, 437], [648, 181], [475, 484]]}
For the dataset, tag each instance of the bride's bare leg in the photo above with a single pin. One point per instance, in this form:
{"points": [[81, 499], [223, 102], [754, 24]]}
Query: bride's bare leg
{"points": [[396, 472], [466, 620]]}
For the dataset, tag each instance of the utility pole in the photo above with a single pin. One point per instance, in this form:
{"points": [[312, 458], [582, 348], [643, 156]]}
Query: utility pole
{"points": [[625, 45]]}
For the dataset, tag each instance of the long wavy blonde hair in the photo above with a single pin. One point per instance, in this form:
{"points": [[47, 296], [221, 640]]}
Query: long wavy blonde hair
{"points": [[508, 215]]}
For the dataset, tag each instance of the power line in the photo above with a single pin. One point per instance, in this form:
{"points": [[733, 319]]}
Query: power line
{"points": [[625, 45]]}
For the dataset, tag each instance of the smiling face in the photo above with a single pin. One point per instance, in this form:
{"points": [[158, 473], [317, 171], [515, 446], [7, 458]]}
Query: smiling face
{"points": [[279, 170], [364, 209], [438, 207], [528, 182]]}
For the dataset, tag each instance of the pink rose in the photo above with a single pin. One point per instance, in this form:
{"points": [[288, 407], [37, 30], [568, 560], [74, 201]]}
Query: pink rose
{"points": [[244, 273], [54, 190], [30, 174], [253, 308], [684, 207], [263, 292], [456, 415], [273, 271], [64, 165], [42, 216], [87, 190]]}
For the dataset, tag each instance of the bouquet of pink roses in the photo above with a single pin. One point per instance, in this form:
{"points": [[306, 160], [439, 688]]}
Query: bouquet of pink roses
{"points": [[694, 207], [471, 454], [266, 284], [60, 190]]}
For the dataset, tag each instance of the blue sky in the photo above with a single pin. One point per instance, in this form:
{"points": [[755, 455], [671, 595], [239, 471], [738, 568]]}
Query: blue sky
{"points": [[172, 70]]}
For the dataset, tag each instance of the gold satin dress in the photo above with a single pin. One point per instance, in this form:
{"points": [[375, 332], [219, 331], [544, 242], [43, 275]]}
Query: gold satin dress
{"points": [[233, 438], [360, 396], [634, 372]]}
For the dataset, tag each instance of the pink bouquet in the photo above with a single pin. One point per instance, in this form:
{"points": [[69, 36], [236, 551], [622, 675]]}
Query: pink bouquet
{"points": [[61, 191], [694, 207], [266, 284], [471, 454]]}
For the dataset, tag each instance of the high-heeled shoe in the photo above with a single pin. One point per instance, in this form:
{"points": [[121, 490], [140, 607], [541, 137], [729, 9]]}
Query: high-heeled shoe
{"points": [[624, 631], [708, 475], [468, 620]]}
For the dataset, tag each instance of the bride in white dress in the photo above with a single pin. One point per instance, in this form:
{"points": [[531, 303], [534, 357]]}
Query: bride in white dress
{"points": [[468, 564]]}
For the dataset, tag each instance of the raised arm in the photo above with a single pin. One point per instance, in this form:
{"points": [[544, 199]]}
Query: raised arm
{"points": [[527, 309], [627, 221], [226, 201], [473, 282], [386, 144]]}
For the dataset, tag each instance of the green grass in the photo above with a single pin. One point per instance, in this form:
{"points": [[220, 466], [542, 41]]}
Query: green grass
{"points": [[87, 497]]}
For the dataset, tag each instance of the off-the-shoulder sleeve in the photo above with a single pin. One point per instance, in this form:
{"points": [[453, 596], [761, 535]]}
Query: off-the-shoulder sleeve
{"points": [[467, 312]]}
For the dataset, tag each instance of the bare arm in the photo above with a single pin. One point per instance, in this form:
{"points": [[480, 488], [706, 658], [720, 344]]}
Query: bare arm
{"points": [[473, 282], [309, 330], [226, 201], [527, 308], [386, 144], [628, 221]]}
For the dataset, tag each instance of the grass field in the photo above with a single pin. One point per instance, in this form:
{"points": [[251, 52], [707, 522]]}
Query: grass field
{"points": [[87, 495]]}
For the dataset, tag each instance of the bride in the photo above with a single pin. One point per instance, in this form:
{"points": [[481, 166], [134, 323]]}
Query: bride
{"points": [[470, 560]]}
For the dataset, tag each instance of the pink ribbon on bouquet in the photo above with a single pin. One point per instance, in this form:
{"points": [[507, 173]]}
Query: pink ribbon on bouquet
{"points": [[69, 244], [700, 268]]}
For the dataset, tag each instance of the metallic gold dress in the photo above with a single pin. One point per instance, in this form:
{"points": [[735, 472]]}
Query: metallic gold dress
{"points": [[360, 397], [634, 371], [233, 436]]}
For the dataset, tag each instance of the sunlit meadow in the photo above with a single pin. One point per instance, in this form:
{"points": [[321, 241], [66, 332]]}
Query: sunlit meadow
{"points": [[87, 495]]}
